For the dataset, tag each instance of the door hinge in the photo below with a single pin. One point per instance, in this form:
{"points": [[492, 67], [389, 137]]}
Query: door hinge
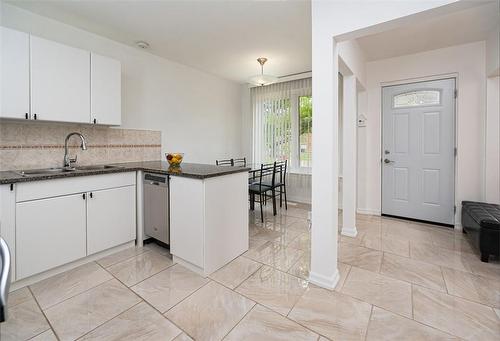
{"points": [[456, 93], [456, 151], [455, 209]]}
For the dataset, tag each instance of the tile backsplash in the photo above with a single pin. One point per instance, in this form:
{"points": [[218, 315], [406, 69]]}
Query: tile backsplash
{"points": [[41, 145]]}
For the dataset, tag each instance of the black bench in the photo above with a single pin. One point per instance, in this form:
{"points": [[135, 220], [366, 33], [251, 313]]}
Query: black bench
{"points": [[481, 223]]}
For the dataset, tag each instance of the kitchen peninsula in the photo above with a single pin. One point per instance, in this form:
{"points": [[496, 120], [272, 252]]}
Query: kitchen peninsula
{"points": [[208, 215]]}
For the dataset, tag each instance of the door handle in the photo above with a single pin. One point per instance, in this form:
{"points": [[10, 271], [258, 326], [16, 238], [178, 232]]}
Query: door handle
{"points": [[388, 161]]}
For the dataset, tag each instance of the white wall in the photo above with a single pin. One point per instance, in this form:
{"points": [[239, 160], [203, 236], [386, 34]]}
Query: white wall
{"points": [[492, 167], [198, 114], [493, 53], [468, 62]]}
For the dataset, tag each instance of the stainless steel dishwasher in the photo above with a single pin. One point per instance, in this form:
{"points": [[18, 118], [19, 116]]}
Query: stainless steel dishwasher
{"points": [[156, 207]]}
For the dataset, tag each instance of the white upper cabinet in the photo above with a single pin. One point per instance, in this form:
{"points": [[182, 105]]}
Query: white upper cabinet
{"points": [[60, 82], [105, 90], [15, 77]]}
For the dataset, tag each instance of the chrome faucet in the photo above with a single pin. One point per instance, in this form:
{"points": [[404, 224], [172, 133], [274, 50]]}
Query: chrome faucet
{"points": [[67, 160]]}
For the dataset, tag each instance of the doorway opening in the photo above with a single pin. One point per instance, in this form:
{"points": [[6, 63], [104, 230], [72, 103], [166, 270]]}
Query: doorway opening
{"points": [[418, 151]]}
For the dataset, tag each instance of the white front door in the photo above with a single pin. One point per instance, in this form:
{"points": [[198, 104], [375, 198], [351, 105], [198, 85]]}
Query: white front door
{"points": [[418, 151]]}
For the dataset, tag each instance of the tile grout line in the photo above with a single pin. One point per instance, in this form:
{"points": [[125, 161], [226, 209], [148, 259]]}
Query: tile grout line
{"points": [[425, 324], [162, 314], [123, 260], [142, 280], [412, 303], [369, 321], [270, 308], [237, 286], [53, 329], [172, 307], [111, 319], [45, 316], [240, 320], [68, 298]]}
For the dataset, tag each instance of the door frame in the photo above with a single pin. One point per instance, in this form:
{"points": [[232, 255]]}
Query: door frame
{"points": [[455, 133]]}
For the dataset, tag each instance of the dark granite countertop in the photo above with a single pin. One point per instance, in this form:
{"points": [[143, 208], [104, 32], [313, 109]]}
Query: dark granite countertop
{"points": [[189, 170]]}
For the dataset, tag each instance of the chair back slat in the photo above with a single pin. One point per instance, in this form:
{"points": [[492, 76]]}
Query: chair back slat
{"points": [[282, 169], [224, 162], [267, 171], [240, 162]]}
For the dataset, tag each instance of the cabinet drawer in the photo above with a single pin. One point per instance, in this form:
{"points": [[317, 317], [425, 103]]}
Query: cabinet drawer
{"points": [[49, 232]]}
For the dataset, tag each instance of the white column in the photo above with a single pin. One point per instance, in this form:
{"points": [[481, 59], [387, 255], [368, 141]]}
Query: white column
{"points": [[349, 155], [324, 271]]}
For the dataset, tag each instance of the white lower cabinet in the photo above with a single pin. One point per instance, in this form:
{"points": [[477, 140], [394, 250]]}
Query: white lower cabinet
{"points": [[62, 220], [110, 218], [49, 232], [208, 221]]}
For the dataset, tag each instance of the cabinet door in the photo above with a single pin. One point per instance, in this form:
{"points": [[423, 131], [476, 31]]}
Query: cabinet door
{"points": [[15, 74], [110, 218], [49, 232], [60, 82], [105, 90]]}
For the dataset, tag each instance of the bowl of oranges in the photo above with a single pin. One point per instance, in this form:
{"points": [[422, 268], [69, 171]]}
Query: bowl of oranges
{"points": [[174, 159]]}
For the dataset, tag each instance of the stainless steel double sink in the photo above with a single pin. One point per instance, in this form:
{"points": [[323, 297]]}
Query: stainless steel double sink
{"points": [[59, 170]]}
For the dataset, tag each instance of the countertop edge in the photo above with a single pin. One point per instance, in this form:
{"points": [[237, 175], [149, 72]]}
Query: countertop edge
{"points": [[118, 169]]}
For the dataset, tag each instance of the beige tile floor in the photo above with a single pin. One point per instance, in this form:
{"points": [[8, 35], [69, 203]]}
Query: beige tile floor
{"points": [[399, 280]]}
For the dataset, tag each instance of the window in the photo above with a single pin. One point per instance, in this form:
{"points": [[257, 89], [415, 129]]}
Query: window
{"points": [[282, 128], [277, 128], [417, 98], [305, 131]]}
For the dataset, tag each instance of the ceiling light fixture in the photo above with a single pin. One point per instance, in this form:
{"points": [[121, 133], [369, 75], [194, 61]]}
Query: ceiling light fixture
{"points": [[262, 79]]}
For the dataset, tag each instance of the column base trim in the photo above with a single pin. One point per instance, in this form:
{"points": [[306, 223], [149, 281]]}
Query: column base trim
{"points": [[349, 232], [323, 281]]}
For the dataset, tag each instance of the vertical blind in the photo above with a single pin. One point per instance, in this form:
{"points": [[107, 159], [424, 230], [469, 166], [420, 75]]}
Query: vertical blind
{"points": [[272, 119]]}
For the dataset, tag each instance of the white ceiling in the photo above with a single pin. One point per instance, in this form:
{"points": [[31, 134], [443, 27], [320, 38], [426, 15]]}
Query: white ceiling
{"points": [[461, 27], [223, 38]]}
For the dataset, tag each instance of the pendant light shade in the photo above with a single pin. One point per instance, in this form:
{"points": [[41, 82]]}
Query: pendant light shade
{"points": [[262, 79]]}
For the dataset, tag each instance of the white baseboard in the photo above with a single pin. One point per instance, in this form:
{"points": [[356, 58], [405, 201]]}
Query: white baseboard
{"points": [[323, 281], [299, 199], [368, 211], [349, 232], [69, 266]]}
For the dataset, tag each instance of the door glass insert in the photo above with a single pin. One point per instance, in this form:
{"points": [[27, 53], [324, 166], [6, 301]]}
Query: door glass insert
{"points": [[417, 98]]}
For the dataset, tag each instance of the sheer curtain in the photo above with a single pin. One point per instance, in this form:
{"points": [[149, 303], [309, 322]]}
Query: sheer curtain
{"points": [[275, 119]]}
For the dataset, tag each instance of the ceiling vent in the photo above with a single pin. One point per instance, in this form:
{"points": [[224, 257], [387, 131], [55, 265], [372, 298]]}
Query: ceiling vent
{"points": [[142, 44]]}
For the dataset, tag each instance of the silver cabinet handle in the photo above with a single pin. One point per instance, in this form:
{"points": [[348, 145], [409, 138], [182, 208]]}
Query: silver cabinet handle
{"points": [[388, 161], [4, 278]]}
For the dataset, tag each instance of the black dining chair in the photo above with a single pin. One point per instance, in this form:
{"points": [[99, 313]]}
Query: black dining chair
{"points": [[267, 172], [224, 162], [280, 183], [241, 162]]}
